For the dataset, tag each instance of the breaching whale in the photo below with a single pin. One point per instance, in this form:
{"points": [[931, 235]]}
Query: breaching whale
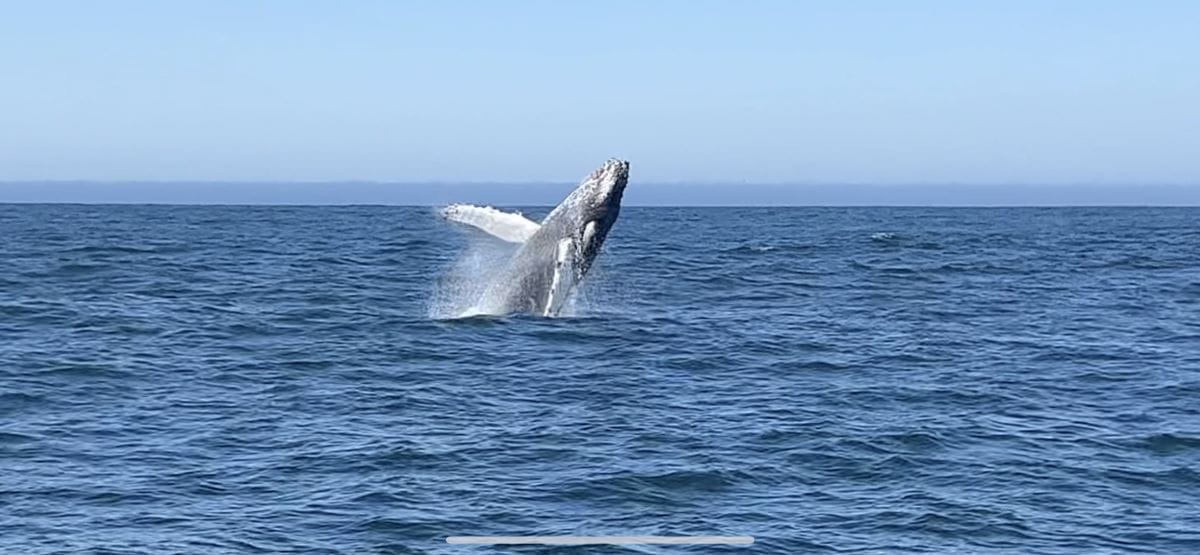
{"points": [[554, 255]]}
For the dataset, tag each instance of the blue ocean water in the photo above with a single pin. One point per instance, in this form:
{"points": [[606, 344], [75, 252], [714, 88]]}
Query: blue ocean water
{"points": [[270, 380]]}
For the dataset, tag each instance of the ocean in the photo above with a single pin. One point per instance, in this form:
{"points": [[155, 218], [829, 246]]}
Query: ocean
{"points": [[240, 379]]}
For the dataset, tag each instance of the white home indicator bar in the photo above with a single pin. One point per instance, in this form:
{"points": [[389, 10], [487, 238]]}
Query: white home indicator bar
{"points": [[601, 540]]}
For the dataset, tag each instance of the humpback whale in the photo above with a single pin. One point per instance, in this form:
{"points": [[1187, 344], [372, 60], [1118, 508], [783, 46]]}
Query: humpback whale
{"points": [[555, 254]]}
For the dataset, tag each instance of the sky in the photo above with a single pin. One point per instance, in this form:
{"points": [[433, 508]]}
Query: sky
{"points": [[1068, 93]]}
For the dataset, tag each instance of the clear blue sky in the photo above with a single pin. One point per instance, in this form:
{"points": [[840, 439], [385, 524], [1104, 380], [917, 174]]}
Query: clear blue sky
{"points": [[861, 92]]}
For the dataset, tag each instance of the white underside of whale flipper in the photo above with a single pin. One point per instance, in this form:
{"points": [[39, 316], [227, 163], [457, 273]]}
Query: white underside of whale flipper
{"points": [[564, 276], [506, 226]]}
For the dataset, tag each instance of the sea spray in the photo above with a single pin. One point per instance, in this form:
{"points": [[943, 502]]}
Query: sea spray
{"points": [[464, 282], [459, 292]]}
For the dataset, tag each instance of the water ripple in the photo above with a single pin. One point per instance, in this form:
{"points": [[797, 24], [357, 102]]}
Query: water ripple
{"points": [[267, 379]]}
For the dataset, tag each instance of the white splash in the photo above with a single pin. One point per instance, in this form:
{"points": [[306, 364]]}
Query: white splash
{"points": [[460, 290]]}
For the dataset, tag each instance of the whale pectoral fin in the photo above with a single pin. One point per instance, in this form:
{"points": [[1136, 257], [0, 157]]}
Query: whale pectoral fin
{"points": [[589, 233], [564, 277], [506, 226]]}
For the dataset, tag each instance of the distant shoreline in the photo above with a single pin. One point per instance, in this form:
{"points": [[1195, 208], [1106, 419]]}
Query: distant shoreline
{"points": [[638, 194]]}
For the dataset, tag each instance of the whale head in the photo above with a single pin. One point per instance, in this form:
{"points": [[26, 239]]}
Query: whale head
{"points": [[596, 204], [600, 194]]}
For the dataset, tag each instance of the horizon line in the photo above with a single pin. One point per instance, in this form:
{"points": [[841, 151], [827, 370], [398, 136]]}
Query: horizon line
{"points": [[350, 181], [639, 194], [551, 205]]}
